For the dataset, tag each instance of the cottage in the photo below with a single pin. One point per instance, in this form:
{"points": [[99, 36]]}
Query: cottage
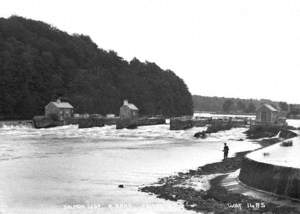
{"points": [[269, 115], [128, 111], [59, 110]]}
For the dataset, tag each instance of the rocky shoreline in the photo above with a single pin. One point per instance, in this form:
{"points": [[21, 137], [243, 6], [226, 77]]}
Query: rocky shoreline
{"points": [[216, 199]]}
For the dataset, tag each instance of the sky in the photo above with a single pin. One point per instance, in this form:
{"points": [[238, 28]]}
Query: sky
{"points": [[232, 48]]}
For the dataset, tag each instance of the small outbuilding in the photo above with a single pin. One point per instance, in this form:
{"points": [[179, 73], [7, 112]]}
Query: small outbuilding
{"points": [[269, 115], [128, 111], [59, 110]]}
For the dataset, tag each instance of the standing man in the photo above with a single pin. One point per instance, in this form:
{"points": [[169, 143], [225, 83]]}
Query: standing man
{"points": [[225, 150]]}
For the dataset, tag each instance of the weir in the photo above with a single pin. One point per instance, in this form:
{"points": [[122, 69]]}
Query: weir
{"points": [[274, 169]]}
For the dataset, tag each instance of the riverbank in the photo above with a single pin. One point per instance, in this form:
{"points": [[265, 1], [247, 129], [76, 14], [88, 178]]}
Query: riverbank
{"points": [[215, 198]]}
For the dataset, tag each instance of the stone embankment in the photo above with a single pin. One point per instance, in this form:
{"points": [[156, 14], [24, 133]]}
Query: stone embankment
{"points": [[181, 123], [147, 121], [268, 169], [126, 123], [260, 131], [85, 122], [46, 122], [187, 122], [142, 121], [271, 178]]}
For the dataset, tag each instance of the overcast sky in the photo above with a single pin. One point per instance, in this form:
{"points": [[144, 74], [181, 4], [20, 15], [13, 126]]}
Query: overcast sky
{"points": [[247, 49]]}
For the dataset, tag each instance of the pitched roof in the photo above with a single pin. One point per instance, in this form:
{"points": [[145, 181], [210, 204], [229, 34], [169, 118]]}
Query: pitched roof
{"points": [[131, 106], [271, 108], [62, 104]]}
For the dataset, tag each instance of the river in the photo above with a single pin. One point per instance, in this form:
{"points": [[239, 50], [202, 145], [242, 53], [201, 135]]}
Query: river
{"points": [[71, 170]]}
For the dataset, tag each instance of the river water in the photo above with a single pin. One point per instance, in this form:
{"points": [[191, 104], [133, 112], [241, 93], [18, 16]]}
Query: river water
{"points": [[71, 170]]}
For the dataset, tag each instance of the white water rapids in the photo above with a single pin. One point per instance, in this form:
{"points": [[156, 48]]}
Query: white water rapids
{"points": [[71, 170]]}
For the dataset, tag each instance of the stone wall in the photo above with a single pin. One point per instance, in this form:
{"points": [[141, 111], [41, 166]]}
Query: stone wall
{"points": [[275, 179], [181, 123], [45, 122], [145, 121], [126, 123], [85, 122], [261, 131]]}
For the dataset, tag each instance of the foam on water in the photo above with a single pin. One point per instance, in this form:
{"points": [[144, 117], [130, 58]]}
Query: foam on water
{"points": [[293, 122], [110, 132], [49, 169]]}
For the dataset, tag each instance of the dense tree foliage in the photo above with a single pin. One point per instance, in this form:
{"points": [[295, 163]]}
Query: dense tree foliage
{"points": [[251, 108], [241, 106], [233, 105], [38, 63], [228, 105], [284, 106]]}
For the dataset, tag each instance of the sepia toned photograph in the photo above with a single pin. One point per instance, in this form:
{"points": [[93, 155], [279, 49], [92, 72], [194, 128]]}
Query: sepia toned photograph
{"points": [[149, 107]]}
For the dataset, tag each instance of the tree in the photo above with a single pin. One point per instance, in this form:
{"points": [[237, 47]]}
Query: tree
{"points": [[251, 108], [38, 62], [228, 105], [241, 106], [283, 106]]}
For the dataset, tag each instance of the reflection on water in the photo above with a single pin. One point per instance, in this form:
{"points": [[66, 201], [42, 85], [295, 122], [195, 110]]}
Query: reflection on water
{"points": [[71, 170]]}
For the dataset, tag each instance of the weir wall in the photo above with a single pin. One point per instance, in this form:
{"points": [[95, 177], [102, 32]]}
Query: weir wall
{"points": [[276, 179]]}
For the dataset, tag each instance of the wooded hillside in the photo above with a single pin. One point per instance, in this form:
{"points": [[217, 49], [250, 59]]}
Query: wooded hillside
{"points": [[233, 105], [39, 63]]}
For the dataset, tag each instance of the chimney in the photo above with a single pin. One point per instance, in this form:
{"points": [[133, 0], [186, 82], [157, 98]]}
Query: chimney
{"points": [[58, 100], [125, 102]]}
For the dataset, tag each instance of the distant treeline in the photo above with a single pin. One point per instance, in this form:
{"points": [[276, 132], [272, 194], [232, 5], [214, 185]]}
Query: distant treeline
{"points": [[233, 105], [39, 63]]}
